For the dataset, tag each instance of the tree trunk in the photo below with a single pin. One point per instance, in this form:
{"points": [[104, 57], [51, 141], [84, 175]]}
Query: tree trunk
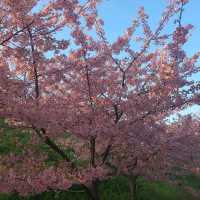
{"points": [[92, 190], [132, 182]]}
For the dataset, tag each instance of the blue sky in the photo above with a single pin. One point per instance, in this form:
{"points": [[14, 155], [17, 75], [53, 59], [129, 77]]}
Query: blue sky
{"points": [[118, 14]]}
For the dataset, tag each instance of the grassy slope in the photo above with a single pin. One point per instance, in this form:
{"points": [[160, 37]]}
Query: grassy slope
{"points": [[115, 189]]}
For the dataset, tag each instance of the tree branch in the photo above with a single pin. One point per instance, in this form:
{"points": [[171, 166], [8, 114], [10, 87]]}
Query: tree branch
{"points": [[92, 151], [42, 135], [34, 64], [15, 34]]}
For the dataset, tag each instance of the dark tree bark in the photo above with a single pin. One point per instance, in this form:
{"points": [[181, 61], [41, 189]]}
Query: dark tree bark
{"points": [[92, 190], [132, 182]]}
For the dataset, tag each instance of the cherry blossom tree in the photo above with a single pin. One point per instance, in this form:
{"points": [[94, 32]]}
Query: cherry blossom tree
{"points": [[111, 98]]}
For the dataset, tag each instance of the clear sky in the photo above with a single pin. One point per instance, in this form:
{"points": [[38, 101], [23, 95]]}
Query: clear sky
{"points": [[118, 14]]}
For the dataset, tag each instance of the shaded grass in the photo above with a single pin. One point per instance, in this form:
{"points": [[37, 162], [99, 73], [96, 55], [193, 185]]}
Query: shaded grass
{"points": [[12, 139], [192, 181], [116, 189], [16, 141]]}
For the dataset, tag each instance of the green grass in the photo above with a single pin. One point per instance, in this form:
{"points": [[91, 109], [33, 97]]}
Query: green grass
{"points": [[16, 141], [115, 189], [192, 181], [12, 140], [162, 191]]}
